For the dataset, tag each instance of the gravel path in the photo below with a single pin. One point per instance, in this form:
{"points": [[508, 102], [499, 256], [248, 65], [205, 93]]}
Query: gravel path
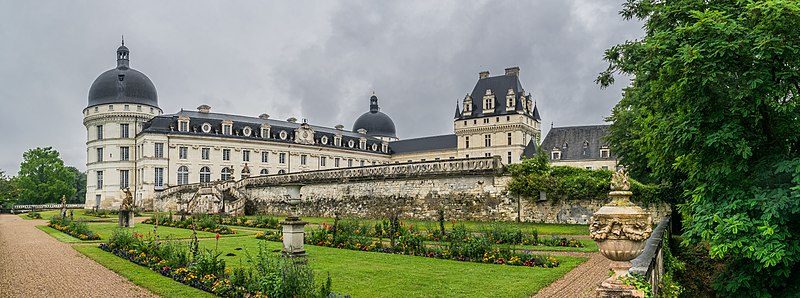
{"points": [[33, 264], [581, 281]]}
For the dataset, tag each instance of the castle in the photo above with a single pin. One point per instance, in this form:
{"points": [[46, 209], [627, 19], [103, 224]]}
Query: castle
{"points": [[132, 144]]}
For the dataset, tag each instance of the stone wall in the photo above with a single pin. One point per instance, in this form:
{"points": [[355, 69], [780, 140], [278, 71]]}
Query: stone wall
{"points": [[474, 191]]}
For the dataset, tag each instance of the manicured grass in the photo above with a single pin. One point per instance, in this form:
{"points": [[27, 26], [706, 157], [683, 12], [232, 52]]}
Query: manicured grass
{"points": [[79, 214], [368, 274], [104, 230], [139, 275], [543, 228]]}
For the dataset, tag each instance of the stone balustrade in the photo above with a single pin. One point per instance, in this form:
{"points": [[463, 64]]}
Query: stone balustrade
{"points": [[650, 263]]}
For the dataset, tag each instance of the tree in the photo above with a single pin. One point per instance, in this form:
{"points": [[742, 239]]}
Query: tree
{"points": [[43, 178], [8, 190], [80, 186], [713, 109]]}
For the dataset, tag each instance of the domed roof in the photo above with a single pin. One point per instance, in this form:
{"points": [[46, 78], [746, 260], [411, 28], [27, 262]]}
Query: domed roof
{"points": [[123, 85], [375, 122]]}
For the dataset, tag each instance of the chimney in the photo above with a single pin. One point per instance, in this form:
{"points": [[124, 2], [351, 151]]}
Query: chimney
{"points": [[483, 74], [512, 71], [204, 108]]}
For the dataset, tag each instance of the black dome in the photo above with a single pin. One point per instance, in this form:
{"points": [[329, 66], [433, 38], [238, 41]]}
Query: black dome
{"points": [[375, 122], [123, 85]]}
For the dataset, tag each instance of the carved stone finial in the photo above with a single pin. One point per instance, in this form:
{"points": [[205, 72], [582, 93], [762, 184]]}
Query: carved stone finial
{"points": [[619, 180]]}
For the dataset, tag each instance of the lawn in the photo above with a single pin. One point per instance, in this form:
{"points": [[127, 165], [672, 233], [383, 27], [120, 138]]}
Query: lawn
{"points": [[104, 230], [79, 214], [367, 274]]}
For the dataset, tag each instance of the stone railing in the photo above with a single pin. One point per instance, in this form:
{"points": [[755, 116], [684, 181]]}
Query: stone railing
{"points": [[651, 262], [46, 206], [471, 166]]}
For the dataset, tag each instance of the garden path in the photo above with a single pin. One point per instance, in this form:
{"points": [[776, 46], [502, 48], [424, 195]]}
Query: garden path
{"points": [[581, 281], [33, 264]]}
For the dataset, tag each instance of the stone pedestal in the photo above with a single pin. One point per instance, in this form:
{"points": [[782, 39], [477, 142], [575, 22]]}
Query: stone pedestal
{"points": [[293, 237], [126, 218]]}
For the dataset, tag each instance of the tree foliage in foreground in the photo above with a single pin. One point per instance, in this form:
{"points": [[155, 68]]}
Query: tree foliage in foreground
{"points": [[8, 190], [43, 178], [713, 108]]}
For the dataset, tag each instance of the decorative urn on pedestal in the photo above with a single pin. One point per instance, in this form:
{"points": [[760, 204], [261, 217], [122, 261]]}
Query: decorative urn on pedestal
{"points": [[293, 227], [620, 229]]}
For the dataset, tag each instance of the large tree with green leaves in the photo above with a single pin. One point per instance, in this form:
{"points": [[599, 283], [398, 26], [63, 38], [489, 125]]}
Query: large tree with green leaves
{"points": [[80, 186], [8, 190], [43, 178], [713, 109]]}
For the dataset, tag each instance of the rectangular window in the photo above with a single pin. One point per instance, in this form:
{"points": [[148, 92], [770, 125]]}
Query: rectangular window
{"points": [[467, 140], [226, 154], [322, 161], [509, 157], [97, 197], [183, 152], [226, 129], [349, 163], [604, 153], [336, 162], [487, 140], [205, 153], [281, 158], [123, 178], [509, 138], [588, 167], [124, 153], [100, 154], [264, 156], [99, 132], [245, 155], [555, 155], [487, 154], [124, 130], [605, 167], [99, 179], [159, 150], [303, 159], [184, 126], [159, 177], [362, 163]]}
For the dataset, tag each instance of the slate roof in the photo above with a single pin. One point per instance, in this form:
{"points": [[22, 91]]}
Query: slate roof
{"points": [[577, 142], [435, 143], [499, 86], [530, 149], [161, 124], [122, 85]]}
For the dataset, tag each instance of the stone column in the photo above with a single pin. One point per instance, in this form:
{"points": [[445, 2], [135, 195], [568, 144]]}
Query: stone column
{"points": [[620, 229]]}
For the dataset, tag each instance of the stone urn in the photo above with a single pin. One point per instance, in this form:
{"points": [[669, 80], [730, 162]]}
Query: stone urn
{"points": [[293, 228], [621, 229]]}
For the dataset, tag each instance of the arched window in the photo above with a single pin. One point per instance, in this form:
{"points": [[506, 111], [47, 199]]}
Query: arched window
{"points": [[264, 172], [226, 174], [205, 175], [282, 172], [183, 175]]}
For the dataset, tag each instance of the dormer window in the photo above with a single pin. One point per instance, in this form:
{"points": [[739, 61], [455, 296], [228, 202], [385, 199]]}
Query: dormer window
{"points": [[246, 131], [324, 140], [337, 141], [385, 147], [265, 131], [555, 154], [488, 102], [227, 127], [510, 102], [283, 135], [183, 124], [206, 127], [362, 144], [351, 143], [605, 152], [374, 147]]}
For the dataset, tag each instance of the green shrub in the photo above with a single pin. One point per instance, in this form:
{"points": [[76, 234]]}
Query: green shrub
{"points": [[208, 262], [34, 214], [121, 239]]}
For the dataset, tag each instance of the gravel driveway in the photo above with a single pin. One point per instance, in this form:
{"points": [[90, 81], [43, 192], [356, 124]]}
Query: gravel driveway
{"points": [[581, 281], [33, 264]]}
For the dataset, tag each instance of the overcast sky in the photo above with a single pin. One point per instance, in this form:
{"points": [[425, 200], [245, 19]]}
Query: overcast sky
{"points": [[318, 60]]}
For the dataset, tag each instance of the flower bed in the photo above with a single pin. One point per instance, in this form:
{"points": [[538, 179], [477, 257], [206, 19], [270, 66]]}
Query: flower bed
{"points": [[264, 222], [462, 245], [202, 222], [73, 228], [266, 275]]}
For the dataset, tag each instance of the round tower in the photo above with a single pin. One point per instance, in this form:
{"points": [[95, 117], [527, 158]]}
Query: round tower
{"points": [[120, 100]]}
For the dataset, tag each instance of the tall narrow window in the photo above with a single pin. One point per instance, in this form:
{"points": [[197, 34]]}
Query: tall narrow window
{"points": [[205, 175], [467, 142], [349, 163], [99, 179], [509, 138], [264, 156], [124, 130], [158, 175], [362, 163], [509, 157], [205, 153], [124, 153], [123, 178], [100, 154], [183, 152], [245, 155], [226, 154], [99, 132], [183, 175], [184, 126], [487, 140], [159, 150], [322, 161], [336, 162], [281, 158], [303, 159], [226, 174]]}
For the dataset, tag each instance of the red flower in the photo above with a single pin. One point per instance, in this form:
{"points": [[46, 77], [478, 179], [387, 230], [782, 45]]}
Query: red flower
{"points": [[217, 236]]}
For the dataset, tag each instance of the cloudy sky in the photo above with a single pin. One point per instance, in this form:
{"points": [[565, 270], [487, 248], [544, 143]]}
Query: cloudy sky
{"points": [[318, 60]]}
